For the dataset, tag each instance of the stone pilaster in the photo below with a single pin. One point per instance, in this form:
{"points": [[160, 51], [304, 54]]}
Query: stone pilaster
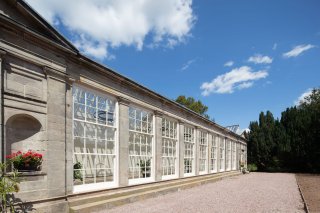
{"points": [[158, 145], [69, 138], [56, 134], [238, 155], [180, 160], [121, 176]]}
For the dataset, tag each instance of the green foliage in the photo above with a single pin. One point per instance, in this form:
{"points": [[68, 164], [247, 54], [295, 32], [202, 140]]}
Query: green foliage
{"points": [[288, 144], [196, 106], [252, 167], [9, 183], [77, 175]]}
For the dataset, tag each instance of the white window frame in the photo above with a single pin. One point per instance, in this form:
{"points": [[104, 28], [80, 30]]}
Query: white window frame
{"points": [[192, 143], [173, 139], [222, 147], [100, 185], [213, 153], [203, 147], [151, 134]]}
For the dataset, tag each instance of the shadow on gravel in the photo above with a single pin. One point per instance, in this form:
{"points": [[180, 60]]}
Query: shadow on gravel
{"points": [[310, 188]]}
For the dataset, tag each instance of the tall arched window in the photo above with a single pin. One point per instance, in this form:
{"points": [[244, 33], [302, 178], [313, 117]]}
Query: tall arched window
{"points": [[169, 147], [94, 135]]}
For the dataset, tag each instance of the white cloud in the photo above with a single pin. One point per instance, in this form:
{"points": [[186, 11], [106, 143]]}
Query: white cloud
{"points": [[302, 96], [113, 23], [229, 64], [238, 78], [275, 45], [297, 50], [260, 59], [187, 65]]}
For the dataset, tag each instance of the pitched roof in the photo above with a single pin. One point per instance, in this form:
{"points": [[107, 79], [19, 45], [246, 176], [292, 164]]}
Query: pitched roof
{"points": [[39, 24]]}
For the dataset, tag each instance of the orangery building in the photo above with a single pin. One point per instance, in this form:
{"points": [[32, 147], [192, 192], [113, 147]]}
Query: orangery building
{"points": [[96, 129]]}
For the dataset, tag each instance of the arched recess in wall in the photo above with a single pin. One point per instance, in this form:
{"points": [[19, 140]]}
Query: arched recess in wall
{"points": [[23, 132]]}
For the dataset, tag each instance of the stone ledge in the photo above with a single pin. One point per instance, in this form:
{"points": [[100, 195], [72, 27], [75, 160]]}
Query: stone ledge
{"points": [[29, 176]]}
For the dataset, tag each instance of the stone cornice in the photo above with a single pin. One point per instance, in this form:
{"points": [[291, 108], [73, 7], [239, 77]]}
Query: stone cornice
{"points": [[123, 101], [158, 113]]}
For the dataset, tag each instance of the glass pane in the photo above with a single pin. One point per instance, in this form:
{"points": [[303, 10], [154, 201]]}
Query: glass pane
{"points": [[102, 117], [79, 111], [110, 147], [90, 145], [79, 96], [78, 129], [110, 118], [91, 100], [131, 124], [143, 150], [101, 162], [131, 112], [111, 106], [144, 116], [91, 114], [78, 145], [102, 103], [149, 128], [138, 115], [101, 132], [144, 127], [101, 147], [90, 130], [138, 125], [89, 175], [110, 134], [101, 175]]}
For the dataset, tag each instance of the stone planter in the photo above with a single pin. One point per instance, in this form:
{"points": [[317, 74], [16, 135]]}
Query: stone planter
{"points": [[28, 168]]}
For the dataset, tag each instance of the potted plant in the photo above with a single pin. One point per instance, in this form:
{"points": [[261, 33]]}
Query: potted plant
{"points": [[28, 161], [77, 175], [145, 167]]}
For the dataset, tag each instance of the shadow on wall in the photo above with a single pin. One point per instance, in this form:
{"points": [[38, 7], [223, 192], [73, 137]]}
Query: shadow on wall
{"points": [[22, 133]]}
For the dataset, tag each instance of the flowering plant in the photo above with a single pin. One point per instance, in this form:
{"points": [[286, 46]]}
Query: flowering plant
{"points": [[26, 161]]}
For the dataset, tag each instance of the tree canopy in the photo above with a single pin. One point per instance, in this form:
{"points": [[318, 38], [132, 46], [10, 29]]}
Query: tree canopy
{"points": [[195, 105], [291, 143]]}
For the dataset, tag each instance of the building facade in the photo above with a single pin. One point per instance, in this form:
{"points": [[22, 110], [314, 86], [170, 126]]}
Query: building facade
{"points": [[95, 128]]}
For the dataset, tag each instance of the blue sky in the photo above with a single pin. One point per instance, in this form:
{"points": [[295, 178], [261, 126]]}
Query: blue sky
{"points": [[238, 57]]}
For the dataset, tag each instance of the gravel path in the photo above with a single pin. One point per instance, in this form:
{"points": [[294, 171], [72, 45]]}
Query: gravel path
{"points": [[310, 187], [255, 192]]}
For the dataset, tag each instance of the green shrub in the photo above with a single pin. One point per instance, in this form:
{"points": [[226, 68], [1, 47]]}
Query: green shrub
{"points": [[252, 167], [9, 184]]}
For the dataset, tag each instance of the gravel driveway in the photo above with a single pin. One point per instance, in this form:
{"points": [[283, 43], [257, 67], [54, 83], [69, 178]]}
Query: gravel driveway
{"points": [[254, 192]]}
